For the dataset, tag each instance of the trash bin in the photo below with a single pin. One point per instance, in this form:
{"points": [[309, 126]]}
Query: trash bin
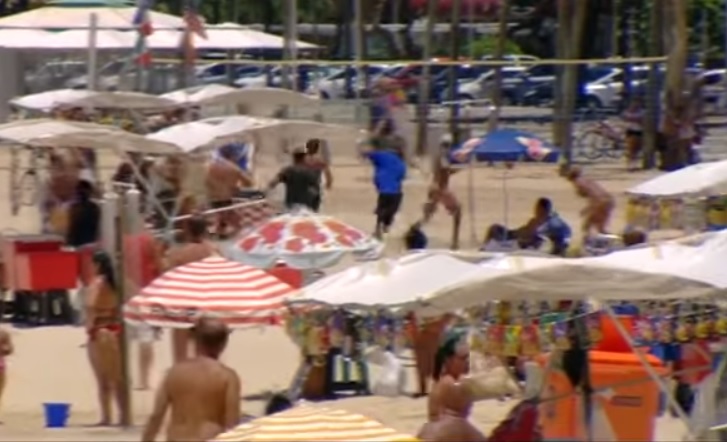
{"points": [[630, 409]]}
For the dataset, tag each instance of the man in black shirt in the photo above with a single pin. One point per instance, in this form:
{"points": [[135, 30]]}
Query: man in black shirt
{"points": [[302, 184], [84, 217]]}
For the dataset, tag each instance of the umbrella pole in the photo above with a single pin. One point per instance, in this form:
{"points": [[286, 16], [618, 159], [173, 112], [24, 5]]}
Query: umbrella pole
{"points": [[121, 225], [471, 198]]}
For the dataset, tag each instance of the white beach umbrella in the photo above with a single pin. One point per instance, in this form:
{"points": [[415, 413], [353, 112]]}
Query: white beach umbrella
{"points": [[195, 136]]}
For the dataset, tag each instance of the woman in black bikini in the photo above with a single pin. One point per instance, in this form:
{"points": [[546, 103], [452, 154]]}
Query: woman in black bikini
{"points": [[103, 326]]}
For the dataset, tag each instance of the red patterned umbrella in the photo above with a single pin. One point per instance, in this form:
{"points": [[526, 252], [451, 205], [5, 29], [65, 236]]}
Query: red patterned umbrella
{"points": [[302, 240], [238, 294]]}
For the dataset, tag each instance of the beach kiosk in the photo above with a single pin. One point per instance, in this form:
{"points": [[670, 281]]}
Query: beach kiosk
{"points": [[692, 199]]}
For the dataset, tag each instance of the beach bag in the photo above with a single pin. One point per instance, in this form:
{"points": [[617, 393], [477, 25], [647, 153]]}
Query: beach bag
{"points": [[392, 379], [520, 425]]}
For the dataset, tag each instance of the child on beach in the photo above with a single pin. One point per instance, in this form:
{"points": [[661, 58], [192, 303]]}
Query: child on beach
{"points": [[6, 349]]}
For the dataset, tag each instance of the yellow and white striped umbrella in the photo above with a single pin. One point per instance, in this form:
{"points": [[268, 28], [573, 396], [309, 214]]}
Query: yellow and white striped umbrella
{"points": [[310, 423]]}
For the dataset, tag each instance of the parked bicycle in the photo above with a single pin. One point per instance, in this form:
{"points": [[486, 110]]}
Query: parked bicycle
{"points": [[601, 140]]}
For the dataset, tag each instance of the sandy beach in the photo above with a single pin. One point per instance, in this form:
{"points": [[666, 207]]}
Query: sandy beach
{"points": [[50, 364]]}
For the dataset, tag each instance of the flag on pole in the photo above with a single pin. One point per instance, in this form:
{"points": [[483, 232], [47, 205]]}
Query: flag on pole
{"points": [[142, 23]]}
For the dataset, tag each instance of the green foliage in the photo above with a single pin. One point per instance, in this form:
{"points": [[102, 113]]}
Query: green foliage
{"points": [[487, 46]]}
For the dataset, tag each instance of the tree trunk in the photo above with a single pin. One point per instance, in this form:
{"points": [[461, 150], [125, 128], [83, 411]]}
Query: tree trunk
{"points": [[577, 10], [452, 80], [677, 102], [496, 92], [425, 80], [656, 48]]}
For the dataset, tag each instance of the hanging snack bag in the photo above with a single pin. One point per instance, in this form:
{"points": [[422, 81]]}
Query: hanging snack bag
{"points": [[512, 341], [560, 336], [530, 341]]}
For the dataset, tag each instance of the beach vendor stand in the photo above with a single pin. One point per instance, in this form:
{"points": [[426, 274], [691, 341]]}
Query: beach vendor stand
{"points": [[657, 273], [309, 423], [377, 294], [692, 199], [308, 242], [41, 264]]}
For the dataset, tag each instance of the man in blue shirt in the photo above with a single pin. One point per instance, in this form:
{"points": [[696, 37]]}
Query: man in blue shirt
{"points": [[545, 223], [389, 173]]}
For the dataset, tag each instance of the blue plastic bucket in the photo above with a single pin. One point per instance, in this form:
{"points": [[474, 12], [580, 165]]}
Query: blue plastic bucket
{"points": [[56, 414]]}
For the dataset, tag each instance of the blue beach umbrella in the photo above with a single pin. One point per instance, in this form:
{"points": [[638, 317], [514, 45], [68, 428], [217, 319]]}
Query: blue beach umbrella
{"points": [[505, 145]]}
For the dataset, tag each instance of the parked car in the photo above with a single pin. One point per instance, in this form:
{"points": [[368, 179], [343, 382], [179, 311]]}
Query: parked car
{"points": [[481, 88], [218, 73], [109, 76], [604, 88], [336, 86], [303, 76], [439, 86], [713, 89], [54, 75]]}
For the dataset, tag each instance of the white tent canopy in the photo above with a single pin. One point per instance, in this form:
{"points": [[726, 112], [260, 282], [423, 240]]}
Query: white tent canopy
{"points": [[194, 137], [388, 283], [54, 133], [108, 17], [704, 179], [667, 271], [227, 36], [219, 95], [69, 98]]}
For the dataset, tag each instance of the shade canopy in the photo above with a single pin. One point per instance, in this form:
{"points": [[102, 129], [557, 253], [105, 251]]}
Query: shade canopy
{"points": [[388, 283], [704, 179], [54, 133], [70, 98], [64, 18], [220, 95]]}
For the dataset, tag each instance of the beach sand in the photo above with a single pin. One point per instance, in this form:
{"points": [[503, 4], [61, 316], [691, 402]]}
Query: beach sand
{"points": [[51, 366]]}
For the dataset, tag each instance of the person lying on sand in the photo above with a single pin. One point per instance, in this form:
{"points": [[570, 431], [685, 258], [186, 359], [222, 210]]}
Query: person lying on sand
{"points": [[202, 393], [453, 422]]}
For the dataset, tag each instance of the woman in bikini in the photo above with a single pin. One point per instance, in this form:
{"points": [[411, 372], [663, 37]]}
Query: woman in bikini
{"points": [[451, 363], [103, 326], [6, 349]]}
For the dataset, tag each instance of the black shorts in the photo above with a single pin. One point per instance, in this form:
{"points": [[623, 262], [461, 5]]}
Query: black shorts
{"points": [[387, 206], [221, 204], [633, 133]]}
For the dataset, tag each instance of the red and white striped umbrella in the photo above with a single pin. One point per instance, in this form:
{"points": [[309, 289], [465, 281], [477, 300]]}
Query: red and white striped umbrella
{"points": [[238, 294]]}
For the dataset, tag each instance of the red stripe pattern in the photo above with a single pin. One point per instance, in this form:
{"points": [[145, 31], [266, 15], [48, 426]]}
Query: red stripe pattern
{"points": [[238, 294]]}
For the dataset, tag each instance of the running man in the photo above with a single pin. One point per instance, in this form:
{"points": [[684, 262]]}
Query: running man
{"points": [[202, 393], [440, 194], [601, 203], [389, 174], [223, 182]]}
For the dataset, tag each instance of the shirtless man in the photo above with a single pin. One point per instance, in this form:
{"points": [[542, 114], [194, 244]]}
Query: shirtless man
{"points": [[597, 212], [64, 172], [198, 248], [223, 182], [453, 422], [439, 193], [202, 393]]}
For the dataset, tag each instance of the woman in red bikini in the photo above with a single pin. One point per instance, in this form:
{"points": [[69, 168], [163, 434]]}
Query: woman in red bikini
{"points": [[103, 327]]}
